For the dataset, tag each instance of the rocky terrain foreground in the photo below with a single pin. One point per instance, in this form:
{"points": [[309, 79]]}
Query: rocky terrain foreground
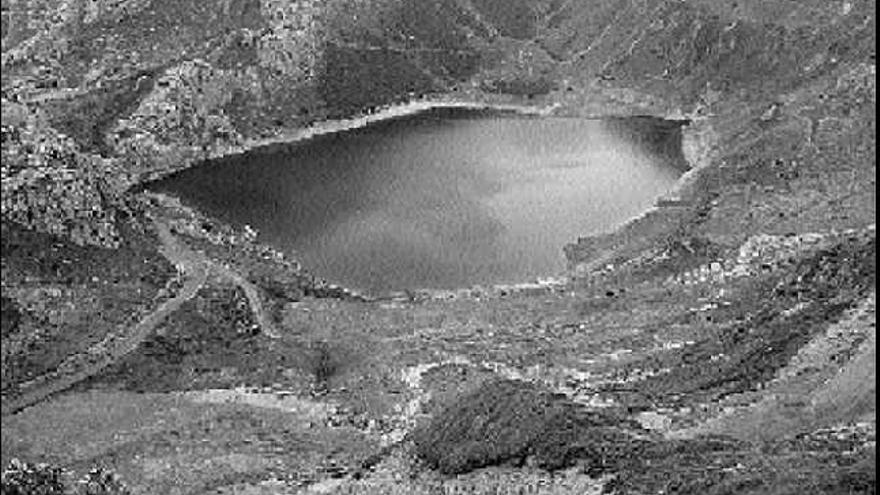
{"points": [[723, 342]]}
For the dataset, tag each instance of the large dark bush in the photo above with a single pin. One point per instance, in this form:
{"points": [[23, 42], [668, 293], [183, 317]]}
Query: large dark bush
{"points": [[10, 316], [509, 421]]}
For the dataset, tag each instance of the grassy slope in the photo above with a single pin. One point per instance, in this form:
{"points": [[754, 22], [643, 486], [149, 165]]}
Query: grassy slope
{"points": [[70, 297]]}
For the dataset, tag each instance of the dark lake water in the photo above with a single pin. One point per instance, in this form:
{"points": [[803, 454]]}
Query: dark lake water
{"points": [[444, 199]]}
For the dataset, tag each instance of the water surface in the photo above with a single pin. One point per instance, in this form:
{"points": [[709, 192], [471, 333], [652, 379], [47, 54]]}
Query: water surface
{"points": [[443, 199]]}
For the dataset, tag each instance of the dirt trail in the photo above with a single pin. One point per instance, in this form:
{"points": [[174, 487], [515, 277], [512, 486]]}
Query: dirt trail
{"points": [[108, 351], [195, 268], [253, 296], [185, 258]]}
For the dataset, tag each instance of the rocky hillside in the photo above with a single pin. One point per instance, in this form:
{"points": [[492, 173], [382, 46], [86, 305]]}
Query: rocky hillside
{"points": [[119, 90], [726, 331]]}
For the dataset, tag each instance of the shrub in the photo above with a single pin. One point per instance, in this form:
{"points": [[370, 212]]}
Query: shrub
{"points": [[509, 422], [10, 316], [22, 478], [101, 481]]}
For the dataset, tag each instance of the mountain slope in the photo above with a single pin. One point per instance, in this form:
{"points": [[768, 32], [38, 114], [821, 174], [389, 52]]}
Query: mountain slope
{"points": [[726, 335]]}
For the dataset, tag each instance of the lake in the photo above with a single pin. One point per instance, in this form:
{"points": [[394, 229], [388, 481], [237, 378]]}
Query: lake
{"points": [[443, 199]]}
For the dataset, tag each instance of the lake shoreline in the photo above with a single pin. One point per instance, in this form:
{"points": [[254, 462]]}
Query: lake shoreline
{"points": [[327, 127], [682, 191], [498, 148]]}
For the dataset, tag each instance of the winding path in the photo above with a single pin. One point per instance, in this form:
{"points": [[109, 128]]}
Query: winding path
{"points": [[185, 259], [195, 268], [111, 349], [253, 296]]}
